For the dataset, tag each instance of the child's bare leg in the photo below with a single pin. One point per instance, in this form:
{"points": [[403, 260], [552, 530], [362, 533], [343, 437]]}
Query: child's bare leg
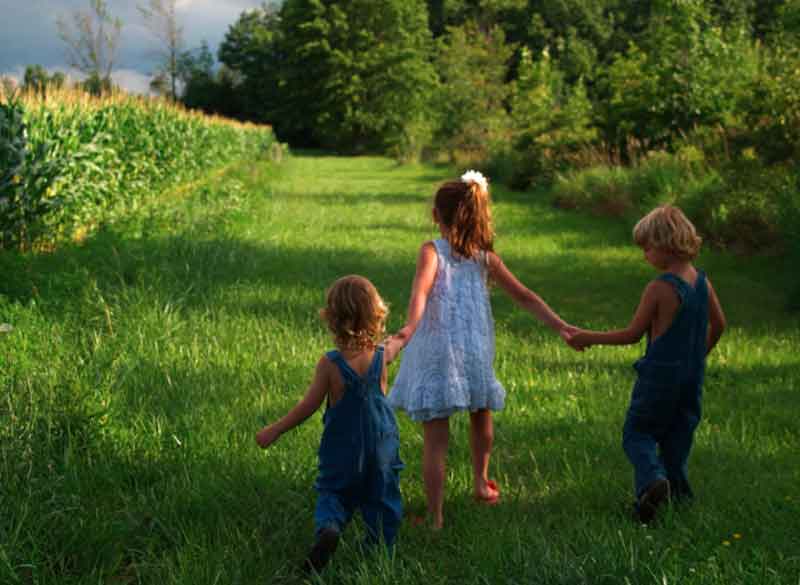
{"points": [[481, 437], [436, 438]]}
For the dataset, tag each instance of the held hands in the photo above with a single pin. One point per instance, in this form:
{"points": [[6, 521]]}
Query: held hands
{"points": [[392, 345], [574, 337], [266, 436]]}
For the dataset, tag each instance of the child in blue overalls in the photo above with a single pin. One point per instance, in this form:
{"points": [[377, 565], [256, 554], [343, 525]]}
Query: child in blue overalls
{"points": [[359, 460], [683, 319]]}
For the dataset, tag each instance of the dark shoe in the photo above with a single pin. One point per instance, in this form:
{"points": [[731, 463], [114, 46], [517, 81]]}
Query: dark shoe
{"points": [[651, 499], [321, 552]]}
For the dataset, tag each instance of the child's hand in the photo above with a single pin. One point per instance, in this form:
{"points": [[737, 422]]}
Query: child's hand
{"points": [[392, 345], [579, 340], [567, 331], [570, 334], [266, 436]]}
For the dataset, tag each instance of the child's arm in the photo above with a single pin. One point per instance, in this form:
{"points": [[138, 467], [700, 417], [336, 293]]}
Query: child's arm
{"points": [[716, 319], [524, 297], [307, 406], [423, 282], [645, 313]]}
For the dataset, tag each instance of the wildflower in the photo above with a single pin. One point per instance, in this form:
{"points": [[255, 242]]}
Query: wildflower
{"points": [[726, 542], [737, 536], [16, 180]]}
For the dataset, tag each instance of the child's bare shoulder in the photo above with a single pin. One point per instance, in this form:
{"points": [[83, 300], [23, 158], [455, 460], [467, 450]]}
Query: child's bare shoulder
{"points": [[658, 284], [659, 289], [324, 367], [427, 253]]}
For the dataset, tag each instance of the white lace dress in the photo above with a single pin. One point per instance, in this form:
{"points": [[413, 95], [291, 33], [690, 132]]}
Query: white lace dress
{"points": [[448, 364]]}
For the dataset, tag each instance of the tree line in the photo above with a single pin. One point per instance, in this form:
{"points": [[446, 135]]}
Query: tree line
{"points": [[619, 104], [470, 76], [530, 90], [401, 75]]}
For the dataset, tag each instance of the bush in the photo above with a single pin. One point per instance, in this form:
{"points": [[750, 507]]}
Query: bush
{"points": [[551, 123]]}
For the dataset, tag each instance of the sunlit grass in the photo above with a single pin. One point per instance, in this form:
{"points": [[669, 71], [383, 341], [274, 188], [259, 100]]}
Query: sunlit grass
{"points": [[142, 363]]}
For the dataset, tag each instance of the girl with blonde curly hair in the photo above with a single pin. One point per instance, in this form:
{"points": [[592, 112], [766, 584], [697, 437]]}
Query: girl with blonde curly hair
{"points": [[359, 461]]}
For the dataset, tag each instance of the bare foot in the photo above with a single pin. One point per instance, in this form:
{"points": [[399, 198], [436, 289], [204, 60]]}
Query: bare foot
{"points": [[421, 521], [486, 491]]}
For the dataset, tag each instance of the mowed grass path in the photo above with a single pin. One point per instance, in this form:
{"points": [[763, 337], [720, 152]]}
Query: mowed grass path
{"points": [[143, 361]]}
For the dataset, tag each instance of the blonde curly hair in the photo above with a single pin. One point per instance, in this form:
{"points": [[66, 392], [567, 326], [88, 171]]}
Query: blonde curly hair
{"points": [[667, 228], [355, 313]]}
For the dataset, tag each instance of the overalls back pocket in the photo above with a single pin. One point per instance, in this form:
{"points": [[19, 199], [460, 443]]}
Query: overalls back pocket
{"points": [[388, 450], [338, 459], [655, 395]]}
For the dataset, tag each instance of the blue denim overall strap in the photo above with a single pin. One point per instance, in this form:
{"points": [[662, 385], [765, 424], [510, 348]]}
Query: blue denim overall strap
{"points": [[685, 339], [355, 408], [665, 403]]}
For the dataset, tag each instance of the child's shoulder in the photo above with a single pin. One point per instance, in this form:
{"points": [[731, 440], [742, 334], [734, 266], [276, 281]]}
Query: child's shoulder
{"points": [[659, 287], [429, 250], [326, 362]]}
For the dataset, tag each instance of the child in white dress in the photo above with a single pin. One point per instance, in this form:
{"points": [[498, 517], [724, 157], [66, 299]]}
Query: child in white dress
{"points": [[448, 364]]}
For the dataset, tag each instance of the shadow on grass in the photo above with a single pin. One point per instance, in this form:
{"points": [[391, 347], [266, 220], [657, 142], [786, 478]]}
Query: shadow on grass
{"points": [[198, 271], [131, 509], [130, 518]]}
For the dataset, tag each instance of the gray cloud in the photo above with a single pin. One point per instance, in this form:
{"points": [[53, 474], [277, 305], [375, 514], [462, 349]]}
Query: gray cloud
{"points": [[28, 33]]}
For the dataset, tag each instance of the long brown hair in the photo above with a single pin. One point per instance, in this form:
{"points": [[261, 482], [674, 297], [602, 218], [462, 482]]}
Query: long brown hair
{"points": [[464, 209], [355, 313]]}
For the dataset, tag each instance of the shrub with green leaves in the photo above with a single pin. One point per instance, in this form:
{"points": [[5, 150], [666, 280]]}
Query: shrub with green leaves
{"points": [[684, 72], [551, 122], [473, 66]]}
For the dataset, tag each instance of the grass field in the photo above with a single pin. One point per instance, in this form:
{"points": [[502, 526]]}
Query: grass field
{"points": [[143, 361]]}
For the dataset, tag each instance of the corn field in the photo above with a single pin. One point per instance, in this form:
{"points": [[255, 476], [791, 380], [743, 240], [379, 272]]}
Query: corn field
{"points": [[70, 162]]}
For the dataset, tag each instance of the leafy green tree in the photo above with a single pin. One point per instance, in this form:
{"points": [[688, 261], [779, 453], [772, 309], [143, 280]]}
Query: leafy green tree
{"points": [[484, 13], [251, 53], [472, 95], [215, 90], [356, 73], [552, 121], [767, 12], [686, 72], [771, 109], [96, 84], [37, 79]]}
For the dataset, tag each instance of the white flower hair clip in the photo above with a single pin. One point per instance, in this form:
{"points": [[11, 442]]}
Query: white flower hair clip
{"points": [[476, 177]]}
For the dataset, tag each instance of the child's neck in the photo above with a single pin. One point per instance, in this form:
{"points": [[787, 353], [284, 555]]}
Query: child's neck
{"points": [[351, 353], [683, 268]]}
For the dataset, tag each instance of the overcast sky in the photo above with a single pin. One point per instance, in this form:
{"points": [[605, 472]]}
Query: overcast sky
{"points": [[28, 34]]}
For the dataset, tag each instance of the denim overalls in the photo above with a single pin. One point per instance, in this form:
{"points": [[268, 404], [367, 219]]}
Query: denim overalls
{"points": [[359, 461], [665, 404]]}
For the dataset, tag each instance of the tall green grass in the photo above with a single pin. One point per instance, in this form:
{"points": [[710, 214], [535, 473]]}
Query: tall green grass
{"points": [[143, 360], [740, 204], [70, 161]]}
